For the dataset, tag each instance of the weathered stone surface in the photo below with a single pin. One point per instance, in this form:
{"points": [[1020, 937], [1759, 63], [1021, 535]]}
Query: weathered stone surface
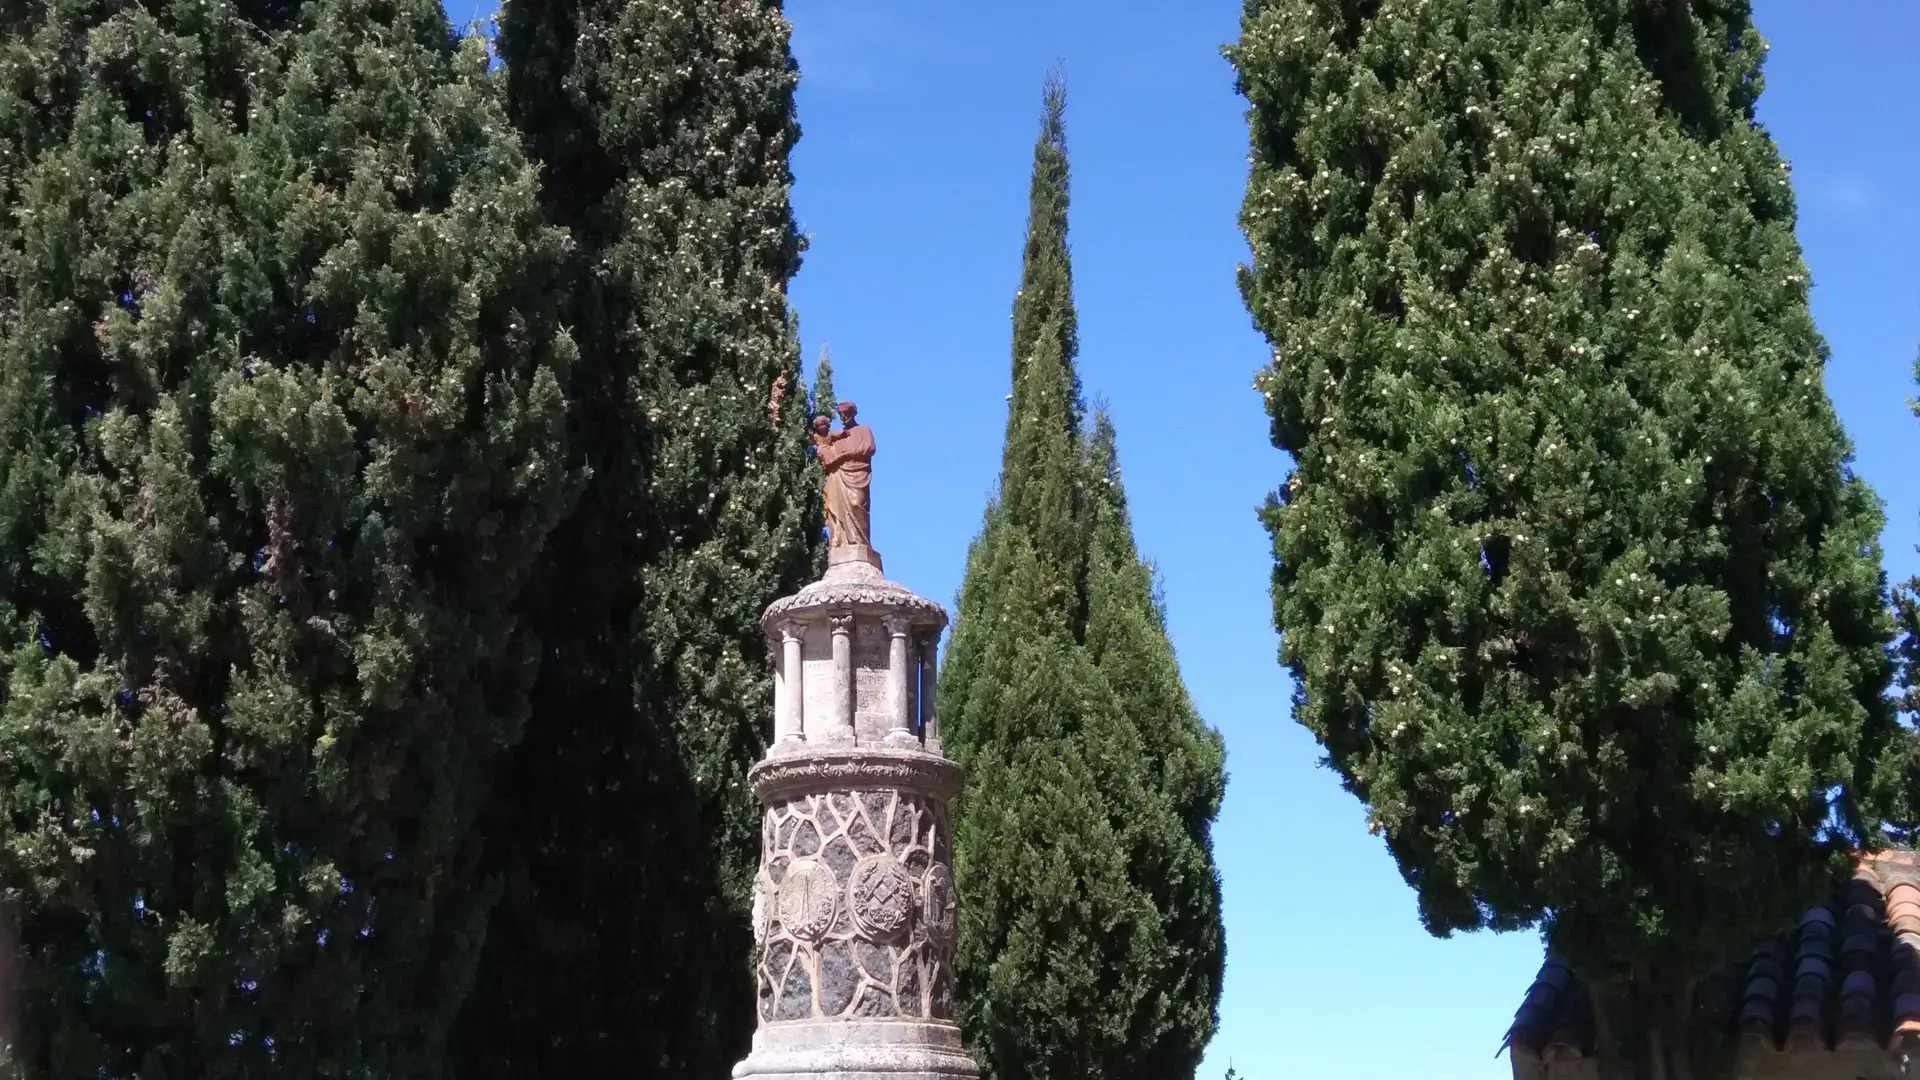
{"points": [[874, 1002], [907, 989], [838, 978], [806, 839], [878, 899], [875, 962], [858, 1050], [795, 1000], [863, 595], [938, 906], [840, 855], [808, 899], [940, 993]]}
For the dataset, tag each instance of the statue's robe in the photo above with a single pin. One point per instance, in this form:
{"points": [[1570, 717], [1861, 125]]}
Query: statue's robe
{"points": [[847, 456]]}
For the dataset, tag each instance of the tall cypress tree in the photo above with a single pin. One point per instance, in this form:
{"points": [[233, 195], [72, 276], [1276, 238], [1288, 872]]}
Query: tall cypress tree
{"points": [[281, 433], [1573, 577], [1090, 941], [623, 828], [820, 397], [1907, 615]]}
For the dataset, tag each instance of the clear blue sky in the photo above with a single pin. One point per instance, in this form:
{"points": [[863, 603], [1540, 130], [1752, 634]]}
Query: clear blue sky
{"points": [[919, 120]]}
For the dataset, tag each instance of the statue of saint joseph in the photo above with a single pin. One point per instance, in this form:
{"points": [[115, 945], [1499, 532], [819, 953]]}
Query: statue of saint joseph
{"points": [[847, 456]]}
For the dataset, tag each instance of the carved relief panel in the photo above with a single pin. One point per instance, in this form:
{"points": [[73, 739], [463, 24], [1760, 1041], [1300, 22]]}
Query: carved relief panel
{"points": [[870, 719], [854, 908], [818, 677]]}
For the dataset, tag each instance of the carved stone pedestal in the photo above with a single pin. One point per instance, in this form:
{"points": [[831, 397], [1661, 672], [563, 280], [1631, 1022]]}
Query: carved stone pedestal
{"points": [[854, 906]]}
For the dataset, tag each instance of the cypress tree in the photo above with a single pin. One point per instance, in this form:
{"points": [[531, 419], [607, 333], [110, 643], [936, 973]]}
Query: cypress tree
{"points": [[281, 433], [1181, 767], [1090, 939], [623, 827], [1907, 616], [1572, 574], [820, 398]]}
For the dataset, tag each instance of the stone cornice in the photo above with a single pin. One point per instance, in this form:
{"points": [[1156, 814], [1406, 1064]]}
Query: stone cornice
{"points": [[862, 598], [800, 771]]}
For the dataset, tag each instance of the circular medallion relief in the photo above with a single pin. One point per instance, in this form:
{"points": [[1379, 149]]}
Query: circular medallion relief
{"points": [[937, 903], [763, 902], [806, 899], [879, 897]]}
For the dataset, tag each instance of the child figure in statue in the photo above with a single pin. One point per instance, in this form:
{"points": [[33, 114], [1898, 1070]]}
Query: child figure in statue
{"points": [[847, 457]]}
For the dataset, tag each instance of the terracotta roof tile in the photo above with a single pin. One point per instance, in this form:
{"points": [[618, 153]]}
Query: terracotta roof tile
{"points": [[1555, 1020], [1847, 976]]}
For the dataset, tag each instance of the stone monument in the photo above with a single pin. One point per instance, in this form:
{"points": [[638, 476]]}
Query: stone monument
{"points": [[853, 908]]}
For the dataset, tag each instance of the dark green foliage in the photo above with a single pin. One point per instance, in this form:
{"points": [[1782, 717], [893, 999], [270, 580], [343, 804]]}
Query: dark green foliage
{"points": [[1906, 609], [281, 435], [623, 828], [1180, 770], [820, 398], [1090, 938], [1572, 574]]}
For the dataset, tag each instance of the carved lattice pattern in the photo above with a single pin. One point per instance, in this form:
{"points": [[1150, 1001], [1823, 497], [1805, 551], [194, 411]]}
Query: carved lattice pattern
{"points": [[854, 908]]}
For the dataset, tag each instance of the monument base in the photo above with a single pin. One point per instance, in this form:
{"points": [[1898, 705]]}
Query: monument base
{"points": [[858, 1050]]}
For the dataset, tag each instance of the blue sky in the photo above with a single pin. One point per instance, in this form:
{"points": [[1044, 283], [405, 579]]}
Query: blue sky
{"points": [[919, 120]]}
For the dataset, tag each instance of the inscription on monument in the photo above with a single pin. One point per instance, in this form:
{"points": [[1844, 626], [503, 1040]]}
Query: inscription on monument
{"points": [[870, 717]]}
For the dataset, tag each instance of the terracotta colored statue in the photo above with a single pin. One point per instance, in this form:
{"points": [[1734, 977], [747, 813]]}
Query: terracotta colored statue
{"points": [[847, 455]]}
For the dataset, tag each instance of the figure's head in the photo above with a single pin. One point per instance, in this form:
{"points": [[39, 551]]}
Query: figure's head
{"points": [[847, 410], [821, 424]]}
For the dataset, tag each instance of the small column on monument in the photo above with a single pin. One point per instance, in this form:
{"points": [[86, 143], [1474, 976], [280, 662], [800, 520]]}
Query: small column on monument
{"points": [[778, 661], [841, 730], [929, 680], [901, 732], [789, 694]]}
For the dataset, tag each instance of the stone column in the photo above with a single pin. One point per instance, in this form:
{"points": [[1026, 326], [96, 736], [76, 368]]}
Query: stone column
{"points": [[843, 695], [929, 680], [901, 732], [780, 705], [854, 912], [789, 692]]}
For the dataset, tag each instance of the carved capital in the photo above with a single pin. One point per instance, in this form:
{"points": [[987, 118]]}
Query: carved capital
{"points": [[791, 630], [897, 624], [841, 622]]}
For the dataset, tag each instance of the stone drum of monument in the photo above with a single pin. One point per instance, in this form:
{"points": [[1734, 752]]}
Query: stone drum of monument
{"points": [[853, 908]]}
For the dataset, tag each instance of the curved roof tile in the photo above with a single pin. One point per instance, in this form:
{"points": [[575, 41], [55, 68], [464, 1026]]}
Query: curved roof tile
{"points": [[1847, 976]]}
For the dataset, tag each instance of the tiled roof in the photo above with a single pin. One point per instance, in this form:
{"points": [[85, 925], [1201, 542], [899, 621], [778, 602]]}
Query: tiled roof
{"points": [[1847, 978]]}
